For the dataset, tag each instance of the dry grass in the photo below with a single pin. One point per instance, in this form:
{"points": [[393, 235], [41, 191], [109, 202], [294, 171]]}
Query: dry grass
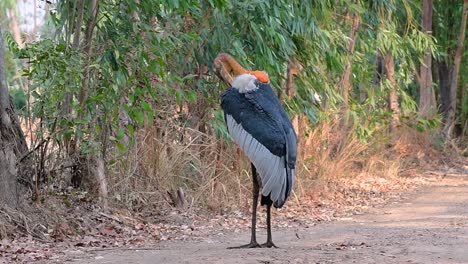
{"points": [[172, 157], [324, 159], [382, 161], [214, 174]]}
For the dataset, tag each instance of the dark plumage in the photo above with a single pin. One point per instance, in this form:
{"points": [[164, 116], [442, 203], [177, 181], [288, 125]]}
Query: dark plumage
{"points": [[259, 125]]}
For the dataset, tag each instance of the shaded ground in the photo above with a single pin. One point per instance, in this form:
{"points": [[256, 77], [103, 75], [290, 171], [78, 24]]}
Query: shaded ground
{"points": [[429, 227]]}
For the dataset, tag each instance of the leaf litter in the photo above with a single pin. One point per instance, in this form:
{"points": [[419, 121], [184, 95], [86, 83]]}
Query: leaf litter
{"points": [[89, 228]]}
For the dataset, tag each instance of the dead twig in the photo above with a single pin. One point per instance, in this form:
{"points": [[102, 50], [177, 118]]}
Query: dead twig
{"points": [[22, 221], [120, 249], [33, 150], [111, 217]]}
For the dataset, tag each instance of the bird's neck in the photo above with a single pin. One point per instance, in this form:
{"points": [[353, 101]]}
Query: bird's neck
{"points": [[245, 83]]}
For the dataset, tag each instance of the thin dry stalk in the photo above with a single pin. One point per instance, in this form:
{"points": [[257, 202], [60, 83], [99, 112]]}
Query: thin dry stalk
{"points": [[163, 162]]}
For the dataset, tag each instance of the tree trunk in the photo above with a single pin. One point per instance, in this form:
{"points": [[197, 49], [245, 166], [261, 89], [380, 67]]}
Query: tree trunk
{"points": [[15, 29], [102, 179], [378, 70], [377, 76], [87, 51], [444, 68], [36, 26], [79, 22], [443, 71], [294, 67], [427, 103], [12, 142], [8, 174], [345, 82], [66, 108], [464, 107], [393, 96], [99, 171], [451, 111]]}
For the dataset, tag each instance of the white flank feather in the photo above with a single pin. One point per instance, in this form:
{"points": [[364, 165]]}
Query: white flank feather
{"points": [[271, 168]]}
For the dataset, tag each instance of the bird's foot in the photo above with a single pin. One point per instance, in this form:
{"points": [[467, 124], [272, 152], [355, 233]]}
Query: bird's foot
{"points": [[269, 244], [252, 244]]}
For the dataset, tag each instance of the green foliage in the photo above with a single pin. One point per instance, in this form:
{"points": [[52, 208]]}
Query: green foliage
{"points": [[151, 60], [19, 100], [446, 24], [54, 71], [10, 63]]}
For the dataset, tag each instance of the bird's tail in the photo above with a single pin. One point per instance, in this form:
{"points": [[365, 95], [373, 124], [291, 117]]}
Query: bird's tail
{"points": [[290, 174]]}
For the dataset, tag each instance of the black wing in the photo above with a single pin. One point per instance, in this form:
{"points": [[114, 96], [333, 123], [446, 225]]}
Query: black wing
{"points": [[259, 125]]}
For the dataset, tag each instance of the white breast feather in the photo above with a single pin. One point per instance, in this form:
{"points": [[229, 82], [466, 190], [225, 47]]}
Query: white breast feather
{"points": [[245, 83]]}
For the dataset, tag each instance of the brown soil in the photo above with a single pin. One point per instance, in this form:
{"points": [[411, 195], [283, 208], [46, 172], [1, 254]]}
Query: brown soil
{"points": [[429, 227]]}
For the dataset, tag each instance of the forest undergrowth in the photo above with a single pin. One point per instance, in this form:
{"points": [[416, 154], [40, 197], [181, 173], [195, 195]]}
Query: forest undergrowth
{"points": [[127, 145], [165, 190]]}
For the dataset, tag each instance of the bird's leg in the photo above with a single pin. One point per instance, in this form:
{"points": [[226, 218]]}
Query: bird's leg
{"points": [[269, 242], [256, 188]]}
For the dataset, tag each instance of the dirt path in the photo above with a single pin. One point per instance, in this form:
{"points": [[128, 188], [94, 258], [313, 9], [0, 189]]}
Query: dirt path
{"points": [[430, 227]]}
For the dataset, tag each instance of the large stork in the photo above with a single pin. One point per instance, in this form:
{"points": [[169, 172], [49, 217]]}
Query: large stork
{"points": [[258, 123]]}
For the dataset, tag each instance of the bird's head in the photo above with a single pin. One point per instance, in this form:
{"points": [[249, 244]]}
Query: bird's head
{"points": [[227, 68]]}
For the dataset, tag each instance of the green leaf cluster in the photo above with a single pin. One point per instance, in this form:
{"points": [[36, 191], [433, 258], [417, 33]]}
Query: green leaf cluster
{"points": [[151, 60]]}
